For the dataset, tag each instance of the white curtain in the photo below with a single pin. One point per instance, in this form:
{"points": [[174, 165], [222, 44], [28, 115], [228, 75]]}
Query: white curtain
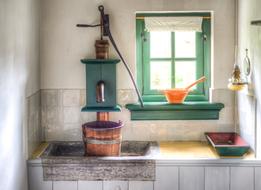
{"points": [[173, 24]]}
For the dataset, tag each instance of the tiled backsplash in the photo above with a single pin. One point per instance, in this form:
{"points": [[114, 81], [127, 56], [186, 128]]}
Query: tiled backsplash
{"points": [[55, 115], [35, 131], [62, 118], [61, 114]]}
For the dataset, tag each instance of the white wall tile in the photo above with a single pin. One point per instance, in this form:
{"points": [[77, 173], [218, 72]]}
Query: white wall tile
{"points": [[50, 115], [72, 132], [62, 116], [71, 97], [82, 97], [71, 114], [34, 128], [49, 98]]}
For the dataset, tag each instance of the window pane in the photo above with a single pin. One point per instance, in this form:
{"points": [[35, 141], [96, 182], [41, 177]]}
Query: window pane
{"points": [[185, 44], [185, 73], [160, 75], [160, 44]]}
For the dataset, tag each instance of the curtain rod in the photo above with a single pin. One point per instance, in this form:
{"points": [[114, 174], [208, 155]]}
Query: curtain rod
{"points": [[142, 17]]}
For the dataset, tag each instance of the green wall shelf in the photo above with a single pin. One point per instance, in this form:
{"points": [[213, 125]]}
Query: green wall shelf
{"points": [[101, 109], [166, 111], [100, 61]]}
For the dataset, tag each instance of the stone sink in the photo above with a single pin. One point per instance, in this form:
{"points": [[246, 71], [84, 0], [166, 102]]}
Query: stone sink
{"points": [[76, 149], [63, 161]]}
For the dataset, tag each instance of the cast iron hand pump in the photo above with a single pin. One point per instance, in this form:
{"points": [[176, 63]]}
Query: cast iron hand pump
{"points": [[105, 31]]}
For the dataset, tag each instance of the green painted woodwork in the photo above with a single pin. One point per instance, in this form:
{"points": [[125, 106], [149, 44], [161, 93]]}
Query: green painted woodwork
{"points": [[96, 70], [207, 56], [117, 108], [100, 61], [185, 111], [160, 14], [231, 151], [202, 59]]}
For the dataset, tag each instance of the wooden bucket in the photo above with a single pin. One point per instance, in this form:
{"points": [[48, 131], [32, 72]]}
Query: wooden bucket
{"points": [[102, 138]]}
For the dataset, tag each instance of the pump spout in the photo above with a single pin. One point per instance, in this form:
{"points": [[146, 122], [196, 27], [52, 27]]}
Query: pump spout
{"points": [[100, 92]]}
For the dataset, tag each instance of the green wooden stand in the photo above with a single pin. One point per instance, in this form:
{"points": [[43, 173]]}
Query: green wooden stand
{"points": [[97, 70]]}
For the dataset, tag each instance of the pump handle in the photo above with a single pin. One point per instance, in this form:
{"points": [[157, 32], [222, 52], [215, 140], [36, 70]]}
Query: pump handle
{"points": [[106, 28]]}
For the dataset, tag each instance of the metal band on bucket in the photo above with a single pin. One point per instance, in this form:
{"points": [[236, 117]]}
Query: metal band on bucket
{"points": [[95, 141]]}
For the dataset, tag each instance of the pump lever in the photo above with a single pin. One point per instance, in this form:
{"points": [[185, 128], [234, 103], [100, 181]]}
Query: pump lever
{"points": [[106, 29], [87, 25], [104, 23]]}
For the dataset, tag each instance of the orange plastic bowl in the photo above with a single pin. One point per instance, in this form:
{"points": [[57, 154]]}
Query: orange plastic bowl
{"points": [[176, 96]]}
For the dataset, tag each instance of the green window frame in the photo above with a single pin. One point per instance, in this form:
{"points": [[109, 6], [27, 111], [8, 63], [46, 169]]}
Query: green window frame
{"points": [[203, 58]]}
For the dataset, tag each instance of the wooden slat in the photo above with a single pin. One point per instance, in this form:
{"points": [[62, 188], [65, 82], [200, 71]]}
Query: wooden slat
{"points": [[90, 185], [36, 182], [242, 178], [167, 178], [217, 178], [257, 178], [65, 185], [191, 178], [140, 185], [115, 185]]}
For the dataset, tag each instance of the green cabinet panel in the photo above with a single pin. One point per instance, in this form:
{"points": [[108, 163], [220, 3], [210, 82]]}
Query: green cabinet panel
{"points": [[100, 70]]}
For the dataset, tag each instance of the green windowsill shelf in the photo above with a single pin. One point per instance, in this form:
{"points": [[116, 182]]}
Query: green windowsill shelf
{"points": [[184, 111]]}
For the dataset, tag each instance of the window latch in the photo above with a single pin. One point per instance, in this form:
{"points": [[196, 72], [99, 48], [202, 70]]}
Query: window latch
{"points": [[143, 37], [204, 37]]}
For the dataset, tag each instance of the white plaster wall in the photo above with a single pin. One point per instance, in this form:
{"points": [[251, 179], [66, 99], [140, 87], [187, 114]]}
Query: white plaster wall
{"points": [[19, 78], [63, 45], [249, 100]]}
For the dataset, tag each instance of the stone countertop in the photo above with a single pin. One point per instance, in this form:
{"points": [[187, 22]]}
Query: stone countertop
{"points": [[137, 168], [65, 161], [194, 150], [177, 151]]}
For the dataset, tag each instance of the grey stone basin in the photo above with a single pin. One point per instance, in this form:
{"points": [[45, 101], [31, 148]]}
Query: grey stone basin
{"points": [[63, 161], [76, 149]]}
